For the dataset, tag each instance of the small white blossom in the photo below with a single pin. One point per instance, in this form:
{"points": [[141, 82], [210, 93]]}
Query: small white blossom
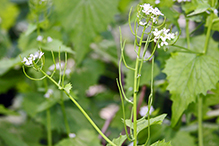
{"points": [[40, 38], [179, 1], [162, 35], [157, 1], [142, 23], [29, 61], [72, 135], [144, 110], [216, 12], [147, 9], [48, 93], [49, 39]]}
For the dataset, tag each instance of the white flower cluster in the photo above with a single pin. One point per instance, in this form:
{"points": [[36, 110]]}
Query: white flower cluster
{"points": [[154, 13], [179, 1], [162, 35], [40, 39], [32, 57]]}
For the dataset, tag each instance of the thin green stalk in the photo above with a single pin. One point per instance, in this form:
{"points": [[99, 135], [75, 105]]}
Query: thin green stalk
{"points": [[200, 131], [136, 90], [49, 132], [150, 102], [208, 33], [81, 109], [187, 33], [64, 115]]}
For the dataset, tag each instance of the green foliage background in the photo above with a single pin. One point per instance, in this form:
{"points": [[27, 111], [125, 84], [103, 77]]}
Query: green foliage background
{"points": [[88, 31]]}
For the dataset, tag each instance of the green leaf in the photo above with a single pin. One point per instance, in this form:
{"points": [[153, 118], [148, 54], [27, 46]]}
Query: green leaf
{"points": [[10, 139], [162, 143], [118, 141], [30, 29], [6, 111], [57, 45], [8, 14], [68, 87], [189, 75], [83, 138], [179, 138], [85, 20], [143, 123], [202, 7]]}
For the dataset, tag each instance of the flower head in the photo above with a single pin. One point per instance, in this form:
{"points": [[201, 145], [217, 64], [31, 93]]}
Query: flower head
{"points": [[32, 57], [162, 36]]}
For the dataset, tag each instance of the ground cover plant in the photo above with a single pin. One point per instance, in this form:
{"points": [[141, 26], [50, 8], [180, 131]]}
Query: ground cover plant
{"points": [[119, 72]]}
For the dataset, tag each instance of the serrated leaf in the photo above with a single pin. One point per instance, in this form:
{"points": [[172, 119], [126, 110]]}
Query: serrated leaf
{"points": [[68, 87], [84, 20], [161, 143], [143, 123], [118, 141], [189, 75]]}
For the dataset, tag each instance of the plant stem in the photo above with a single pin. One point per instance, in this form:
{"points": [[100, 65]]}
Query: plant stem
{"points": [[208, 33], [64, 115], [200, 132], [136, 89], [187, 34], [49, 133], [80, 108]]}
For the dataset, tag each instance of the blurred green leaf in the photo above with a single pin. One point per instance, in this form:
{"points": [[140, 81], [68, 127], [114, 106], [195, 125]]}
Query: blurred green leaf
{"points": [[85, 20], [83, 138], [8, 14], [202, 7], [6, 111], [10, 139], [162, 143], [30, 29]]}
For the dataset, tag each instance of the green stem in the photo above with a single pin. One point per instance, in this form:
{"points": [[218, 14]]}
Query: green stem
{"points": [[49, 132], [64, 115], [208, 33], [136, 90], [200, 132], [187, 33], [80, 108]]}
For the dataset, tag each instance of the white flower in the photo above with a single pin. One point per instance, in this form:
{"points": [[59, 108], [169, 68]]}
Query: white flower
{"points": [[48, 93], [157, 1], [49, 39], [29, 61], [40, 38], [162, 35], [68, 71], [142, 23], [144, 110], [38, 54], [147, 8], [71, 135], [179, 1], [215, 12]]}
